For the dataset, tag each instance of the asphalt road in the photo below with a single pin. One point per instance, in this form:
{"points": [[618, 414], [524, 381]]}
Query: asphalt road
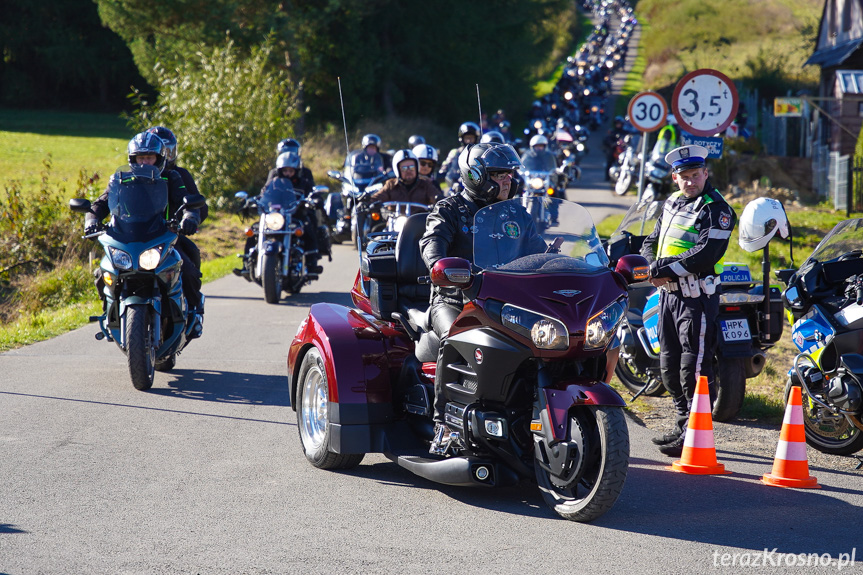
{"points": [[204, 474]]}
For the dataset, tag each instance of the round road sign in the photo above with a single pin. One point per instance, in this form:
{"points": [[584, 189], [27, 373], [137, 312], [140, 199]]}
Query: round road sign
{"points": [[647, 111], [704, 102]]}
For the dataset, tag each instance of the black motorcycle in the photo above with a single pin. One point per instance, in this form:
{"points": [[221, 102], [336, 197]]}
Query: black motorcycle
{"points": [[277, 261], [743, 337], [824, 299]]}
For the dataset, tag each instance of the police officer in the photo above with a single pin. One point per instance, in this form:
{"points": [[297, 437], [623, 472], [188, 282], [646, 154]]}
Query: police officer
{"points": [[684, 251], [487, 170]]}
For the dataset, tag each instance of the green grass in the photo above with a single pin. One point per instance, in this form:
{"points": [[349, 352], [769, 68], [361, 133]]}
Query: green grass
{"points": [[543, 87], [75, 142]]}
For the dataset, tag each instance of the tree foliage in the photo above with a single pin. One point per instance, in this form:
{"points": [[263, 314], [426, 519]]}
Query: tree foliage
{"points": [[407, 58], [228, 108]]}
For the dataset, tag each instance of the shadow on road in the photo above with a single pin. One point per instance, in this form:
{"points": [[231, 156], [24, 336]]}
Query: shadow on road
{"points": [[302, 299], [226, 387], [701, 509]]}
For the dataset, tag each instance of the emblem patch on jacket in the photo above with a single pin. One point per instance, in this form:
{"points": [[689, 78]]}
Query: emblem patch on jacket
{"points": [[725, 221], [511, 230]]}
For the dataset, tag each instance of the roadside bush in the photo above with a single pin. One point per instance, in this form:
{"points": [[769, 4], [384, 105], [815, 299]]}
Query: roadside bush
{"points": [[228, 111]]}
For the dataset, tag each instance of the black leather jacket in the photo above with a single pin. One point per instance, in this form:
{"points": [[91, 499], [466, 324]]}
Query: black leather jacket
{"points": [[449, 233]]}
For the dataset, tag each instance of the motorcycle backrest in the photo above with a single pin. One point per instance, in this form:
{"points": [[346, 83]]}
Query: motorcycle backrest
{"points": [[409, 263]]}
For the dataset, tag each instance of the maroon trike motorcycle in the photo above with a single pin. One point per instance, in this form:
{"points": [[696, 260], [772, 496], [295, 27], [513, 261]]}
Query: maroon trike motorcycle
{"points": [[526, 364]]}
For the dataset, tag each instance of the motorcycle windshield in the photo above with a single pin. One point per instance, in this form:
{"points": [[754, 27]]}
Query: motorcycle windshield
{"points": [[506, 239], [138, 200], [362, 170], [846, 237], [279, 194], [640, 219], [539, 162]]}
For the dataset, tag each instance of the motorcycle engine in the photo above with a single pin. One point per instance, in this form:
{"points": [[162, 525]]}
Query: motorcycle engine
{"points": [[846, 392]]}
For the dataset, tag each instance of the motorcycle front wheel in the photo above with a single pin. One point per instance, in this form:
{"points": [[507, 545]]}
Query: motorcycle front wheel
{"points": [[140, 347], [270, 278], [313, 416], [621, 186], [604, 463], [825, 431]]}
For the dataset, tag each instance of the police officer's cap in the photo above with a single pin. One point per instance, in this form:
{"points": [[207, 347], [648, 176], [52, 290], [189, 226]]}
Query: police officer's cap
{"points": [[686, 158]]}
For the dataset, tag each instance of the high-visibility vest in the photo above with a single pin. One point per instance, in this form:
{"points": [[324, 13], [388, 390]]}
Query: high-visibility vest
{"points": [[678, 233]]}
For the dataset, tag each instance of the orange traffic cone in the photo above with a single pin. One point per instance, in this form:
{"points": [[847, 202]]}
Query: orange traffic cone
{"points": [[790, 467], [699, 451]]}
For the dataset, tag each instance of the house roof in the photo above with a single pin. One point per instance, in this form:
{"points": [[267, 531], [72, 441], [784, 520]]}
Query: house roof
{"points": [[834, 56]]}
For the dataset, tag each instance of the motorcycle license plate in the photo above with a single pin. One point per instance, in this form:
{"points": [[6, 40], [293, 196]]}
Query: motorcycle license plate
{"points": [[735, 330]]}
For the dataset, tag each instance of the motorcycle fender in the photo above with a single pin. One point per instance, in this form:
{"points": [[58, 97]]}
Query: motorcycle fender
{"points": [[562, 398], [155, 303], [361, 356]]}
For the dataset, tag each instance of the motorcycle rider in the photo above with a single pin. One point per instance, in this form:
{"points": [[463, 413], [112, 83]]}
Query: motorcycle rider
{"points": [[292, 145], [415, 141], [427, 156], [684, 251], [609, 143], [487, 171], [371, 154], [468, 134], [538, 155], [288, 168], [407, 186], [148, 148], [170, 142]]}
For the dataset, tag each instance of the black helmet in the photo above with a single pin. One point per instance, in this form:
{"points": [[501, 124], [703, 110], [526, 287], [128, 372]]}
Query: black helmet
{"points": [[372, 140], [170, 141], [468, 128], [415, 141], [288, 145], [147, 143], [475, 163]]}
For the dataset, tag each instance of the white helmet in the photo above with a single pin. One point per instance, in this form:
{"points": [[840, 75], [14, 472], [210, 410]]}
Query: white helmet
{"points": [[400, 157], [288, 160], [539, 140], [492, 137], [425, 152], [760, 221]]}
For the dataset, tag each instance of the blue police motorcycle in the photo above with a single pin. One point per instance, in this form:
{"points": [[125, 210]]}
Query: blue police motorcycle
{"points": [[824, 302], [145, 311], [742, 336]]}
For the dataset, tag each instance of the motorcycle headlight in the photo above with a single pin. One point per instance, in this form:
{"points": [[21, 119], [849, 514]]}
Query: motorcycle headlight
{"points": [[602, 326], [274, 221], [537, 183], [580, 147], [545, 332], [150, 259], [120, 259]]}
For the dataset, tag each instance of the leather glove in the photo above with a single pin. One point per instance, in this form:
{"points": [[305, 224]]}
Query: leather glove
{"points": [[91, 227], [188, 226]]}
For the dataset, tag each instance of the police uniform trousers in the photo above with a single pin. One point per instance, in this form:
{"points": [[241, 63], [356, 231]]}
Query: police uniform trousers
{"points": [[687, 339]]}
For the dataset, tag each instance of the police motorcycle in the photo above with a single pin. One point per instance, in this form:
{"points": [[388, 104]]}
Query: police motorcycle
{"points": [[277, 261], [342, 208], [657, 175], [543, 181], [145, 311], [824, 302], [527, 362], [743, 335]]}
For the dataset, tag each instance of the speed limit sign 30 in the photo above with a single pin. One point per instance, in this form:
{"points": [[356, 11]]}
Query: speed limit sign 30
{"points": [[704, 102], [647, 111]]}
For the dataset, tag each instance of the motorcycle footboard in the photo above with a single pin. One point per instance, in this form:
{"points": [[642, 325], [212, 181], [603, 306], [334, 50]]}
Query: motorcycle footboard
{"points": [[459, 471]]}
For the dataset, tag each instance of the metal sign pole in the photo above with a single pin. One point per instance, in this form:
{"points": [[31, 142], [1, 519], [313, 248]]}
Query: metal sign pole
{"points": [[641, 168]]}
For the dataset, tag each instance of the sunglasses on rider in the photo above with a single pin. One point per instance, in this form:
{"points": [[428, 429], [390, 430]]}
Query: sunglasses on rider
{"points": [[408, 168], [499, 176], [426, 163]]}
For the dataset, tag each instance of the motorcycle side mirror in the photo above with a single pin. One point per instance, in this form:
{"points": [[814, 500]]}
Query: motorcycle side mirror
{"points": [[633, 268], [194, 201], [451, 272], [785, 275], [79, 205], [334, 174], [320, 190], [241, 195]]}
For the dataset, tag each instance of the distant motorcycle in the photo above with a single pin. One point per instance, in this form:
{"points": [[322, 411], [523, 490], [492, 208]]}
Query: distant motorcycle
{"points": [[629, 164], [357, 217], [146, 313], [277, 260]]}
